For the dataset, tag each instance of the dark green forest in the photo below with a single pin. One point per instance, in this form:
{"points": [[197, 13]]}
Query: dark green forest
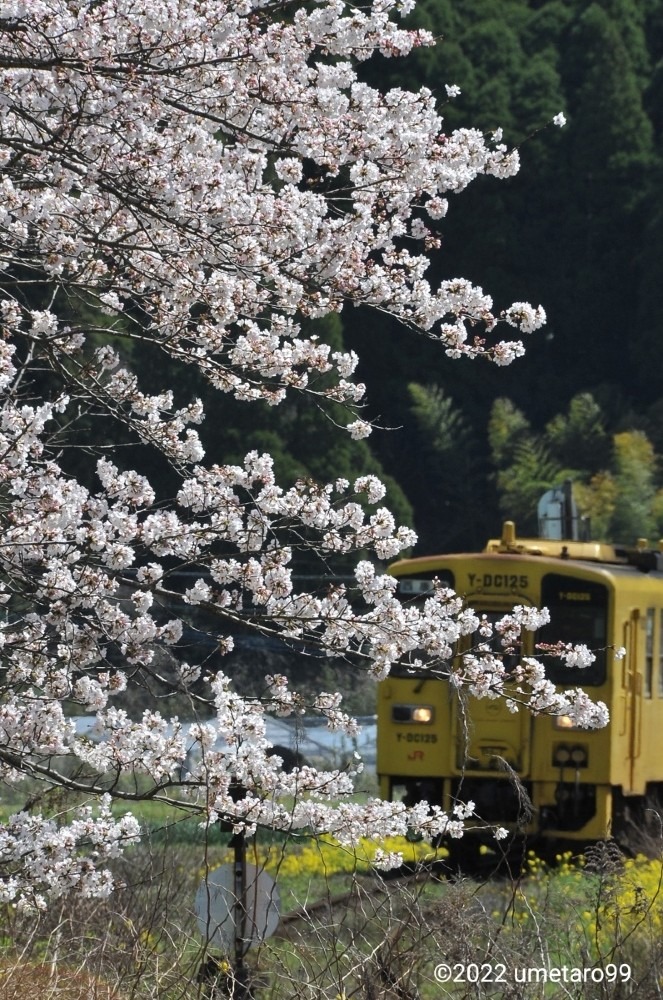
{"points": [[579, 230]]}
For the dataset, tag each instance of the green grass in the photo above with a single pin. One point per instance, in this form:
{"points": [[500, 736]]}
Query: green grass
{"points": [[362, 931], [573, 914]]}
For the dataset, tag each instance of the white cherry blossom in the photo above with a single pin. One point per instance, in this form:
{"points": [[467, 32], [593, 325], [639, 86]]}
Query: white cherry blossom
{"points": [[200, 178]]}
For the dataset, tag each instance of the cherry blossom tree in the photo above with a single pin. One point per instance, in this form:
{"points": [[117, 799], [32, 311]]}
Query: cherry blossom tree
{"points": [[200, 177]]}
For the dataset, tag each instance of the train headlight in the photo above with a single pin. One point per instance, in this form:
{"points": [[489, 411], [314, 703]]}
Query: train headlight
{"points": [[564, 722], [418, 714]]}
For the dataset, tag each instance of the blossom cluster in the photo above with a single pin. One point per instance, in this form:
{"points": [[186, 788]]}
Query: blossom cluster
{"points": [[201, 178], [39, 857]]}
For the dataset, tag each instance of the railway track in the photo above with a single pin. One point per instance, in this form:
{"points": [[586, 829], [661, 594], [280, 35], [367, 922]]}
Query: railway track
{"points": [[376, 884]]}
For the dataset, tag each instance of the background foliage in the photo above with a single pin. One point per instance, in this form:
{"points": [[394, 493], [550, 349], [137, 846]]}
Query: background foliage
{"points": [[580, 229]]}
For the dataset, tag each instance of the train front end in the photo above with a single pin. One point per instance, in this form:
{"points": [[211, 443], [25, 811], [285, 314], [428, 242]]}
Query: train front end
{"points": [[532, 775]]}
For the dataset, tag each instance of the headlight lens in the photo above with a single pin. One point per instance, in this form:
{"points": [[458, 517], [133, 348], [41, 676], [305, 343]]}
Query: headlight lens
{"points": [[423, 714]]}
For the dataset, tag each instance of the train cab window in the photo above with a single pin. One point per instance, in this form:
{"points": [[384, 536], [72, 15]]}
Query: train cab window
{"points": [[578, 614], [649, 652], [423, 584], [417, 588]]}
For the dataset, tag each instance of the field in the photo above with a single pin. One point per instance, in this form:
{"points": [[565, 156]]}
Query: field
{"points": [[587, 927]]}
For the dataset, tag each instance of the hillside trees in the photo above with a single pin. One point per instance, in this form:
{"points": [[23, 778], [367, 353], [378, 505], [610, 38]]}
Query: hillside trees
{"points": [[580, 229], [444, 469], [196, 182], [609, 61], [617, 476]]}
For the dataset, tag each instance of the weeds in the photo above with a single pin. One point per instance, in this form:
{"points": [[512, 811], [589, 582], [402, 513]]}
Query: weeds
{"points": [[348, 933]]}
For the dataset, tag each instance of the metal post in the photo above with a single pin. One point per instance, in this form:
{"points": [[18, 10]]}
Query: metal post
{"points": [[241, 986], [568, 524]]}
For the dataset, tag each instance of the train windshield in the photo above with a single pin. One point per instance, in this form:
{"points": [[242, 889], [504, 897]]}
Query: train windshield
{"points": [[579, 615], [417, 588], [423, 584]]}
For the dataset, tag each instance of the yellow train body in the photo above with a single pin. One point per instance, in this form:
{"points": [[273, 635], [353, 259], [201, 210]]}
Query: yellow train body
{"points": [[437, 746]]}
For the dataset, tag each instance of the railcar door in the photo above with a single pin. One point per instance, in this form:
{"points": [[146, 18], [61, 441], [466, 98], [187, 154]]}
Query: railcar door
{"points": [[631, 726], [486, 733]]}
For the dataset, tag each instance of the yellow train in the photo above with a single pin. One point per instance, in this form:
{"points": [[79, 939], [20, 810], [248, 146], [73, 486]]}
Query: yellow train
{"points": [[583, 784]]}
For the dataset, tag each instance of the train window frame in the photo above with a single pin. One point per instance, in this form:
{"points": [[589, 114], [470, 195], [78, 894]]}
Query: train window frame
{"points": [[659, 689], [562, 593]]}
